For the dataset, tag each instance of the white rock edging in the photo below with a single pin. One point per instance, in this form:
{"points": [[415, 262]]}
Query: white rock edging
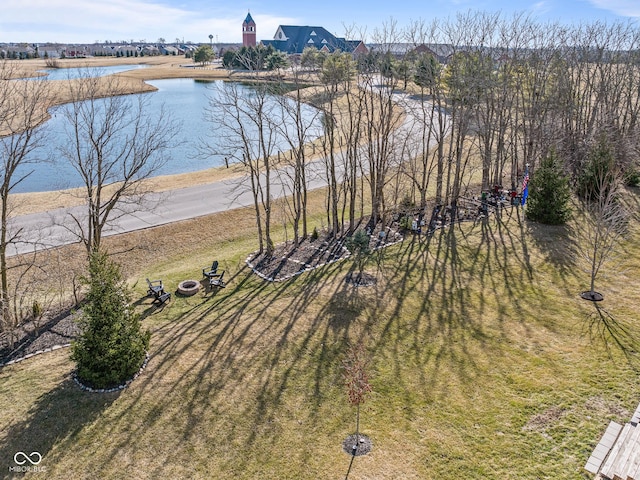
{"points": [[33, 354], [114, 389]]}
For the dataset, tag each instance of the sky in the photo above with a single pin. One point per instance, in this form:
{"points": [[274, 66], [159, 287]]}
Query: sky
{"points": [[88, 21]]}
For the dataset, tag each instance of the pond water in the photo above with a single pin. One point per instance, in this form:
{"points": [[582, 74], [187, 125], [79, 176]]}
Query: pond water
{"points": [[71, 73], [185, 99]]}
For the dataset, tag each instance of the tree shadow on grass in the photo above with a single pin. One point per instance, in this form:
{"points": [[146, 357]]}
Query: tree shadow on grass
{"points": [[440, 287], [227, 329], [57, 415], [611, 332], [248, 336], [556, 242]]}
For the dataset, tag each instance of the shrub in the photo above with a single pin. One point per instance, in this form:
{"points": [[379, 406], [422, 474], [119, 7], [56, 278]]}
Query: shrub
{"points": [[549, 193], [632, 177], [111, 347], [600, 165], [358, 245]]}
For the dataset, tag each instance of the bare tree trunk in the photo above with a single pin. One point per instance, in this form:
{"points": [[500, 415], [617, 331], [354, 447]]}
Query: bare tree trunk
{"points": [[251, 139], [114, 145], [23, 106]]}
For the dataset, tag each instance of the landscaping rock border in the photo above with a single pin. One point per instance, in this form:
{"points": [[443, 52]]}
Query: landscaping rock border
{"points": [[113, 389], [33, 354]]}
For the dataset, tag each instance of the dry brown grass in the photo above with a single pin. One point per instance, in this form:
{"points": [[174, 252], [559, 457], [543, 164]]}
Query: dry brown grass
{"points": [[482, 366], [480, 369]]}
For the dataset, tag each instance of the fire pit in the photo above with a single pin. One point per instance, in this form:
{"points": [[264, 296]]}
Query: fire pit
{"points": [[188, 287]]}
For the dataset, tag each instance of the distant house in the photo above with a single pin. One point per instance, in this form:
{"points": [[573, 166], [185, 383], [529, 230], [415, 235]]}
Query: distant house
{"points": [[220, 48], [188, 49], [19, 51], [150, 50], [125, 50], [441, 52], [49, 52], [103, 50], [76, 51], [294, 39], [169, 50]]}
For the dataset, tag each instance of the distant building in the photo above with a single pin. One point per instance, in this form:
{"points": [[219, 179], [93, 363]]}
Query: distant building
{"points": [[294, 39], [249, 32], [441, 52]]}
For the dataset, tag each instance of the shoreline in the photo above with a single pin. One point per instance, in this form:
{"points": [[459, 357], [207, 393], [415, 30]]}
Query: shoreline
{"points": [[159, 68]]}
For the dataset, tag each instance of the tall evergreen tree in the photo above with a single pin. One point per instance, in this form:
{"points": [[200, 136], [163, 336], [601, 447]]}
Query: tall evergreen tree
{"points": [[549, 193], [111, 347]]}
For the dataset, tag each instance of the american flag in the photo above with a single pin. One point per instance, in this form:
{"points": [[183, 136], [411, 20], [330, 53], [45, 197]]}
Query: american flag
{"points": [[525, 184]]}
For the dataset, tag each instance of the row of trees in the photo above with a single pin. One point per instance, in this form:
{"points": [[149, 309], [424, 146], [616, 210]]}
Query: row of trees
{"points": [[495, 95], [485, 96], [256, 58]]}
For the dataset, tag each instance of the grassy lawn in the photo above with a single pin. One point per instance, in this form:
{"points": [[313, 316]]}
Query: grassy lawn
{"points": [[484, 364]]}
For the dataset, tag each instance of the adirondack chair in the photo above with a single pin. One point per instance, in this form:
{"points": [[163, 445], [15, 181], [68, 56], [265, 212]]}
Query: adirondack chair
{"points": [[156, 290], [217, 280], [215, 277], [209, 272]]}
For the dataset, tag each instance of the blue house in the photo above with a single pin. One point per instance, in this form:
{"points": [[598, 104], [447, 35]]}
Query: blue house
{"points": [[294, 39]]}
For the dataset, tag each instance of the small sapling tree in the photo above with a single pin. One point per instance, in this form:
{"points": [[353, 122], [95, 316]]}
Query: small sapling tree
{"points": [[605, 215], [356, 380]]}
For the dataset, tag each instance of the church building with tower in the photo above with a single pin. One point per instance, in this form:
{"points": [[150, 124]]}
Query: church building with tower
{"points": [[248, 32], [292, 40]]}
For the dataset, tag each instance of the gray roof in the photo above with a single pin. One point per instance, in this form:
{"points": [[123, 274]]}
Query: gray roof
{"points": [[294, 39], [440, 50]]}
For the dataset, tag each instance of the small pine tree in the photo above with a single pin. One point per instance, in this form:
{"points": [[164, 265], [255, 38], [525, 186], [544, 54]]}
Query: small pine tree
{"points": [[111, 347], [549, 193], [358, 245], [600, 164]]}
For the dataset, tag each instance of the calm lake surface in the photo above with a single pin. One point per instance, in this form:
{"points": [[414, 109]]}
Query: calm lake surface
{"points": [[71, 73], [185, 99]]}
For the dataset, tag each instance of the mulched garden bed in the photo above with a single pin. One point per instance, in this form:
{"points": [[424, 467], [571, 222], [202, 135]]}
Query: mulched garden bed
{"points": [[287, 260], [362, 442], [30, 339]]}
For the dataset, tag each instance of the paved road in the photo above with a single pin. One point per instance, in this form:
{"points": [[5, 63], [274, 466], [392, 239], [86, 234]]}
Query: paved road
{"points": [[56, 227]]}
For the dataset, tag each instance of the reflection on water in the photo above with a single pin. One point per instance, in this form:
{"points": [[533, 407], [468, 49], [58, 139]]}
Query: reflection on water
{"points": [[185, 100]]}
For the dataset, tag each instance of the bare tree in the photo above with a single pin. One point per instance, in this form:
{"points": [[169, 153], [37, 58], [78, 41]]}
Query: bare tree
{"points": [[338, 70], [250, 137], [356, 379], [23, 106], [297, 129], [432, 114], [384, 141], [605, 218], [115, 143]]}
